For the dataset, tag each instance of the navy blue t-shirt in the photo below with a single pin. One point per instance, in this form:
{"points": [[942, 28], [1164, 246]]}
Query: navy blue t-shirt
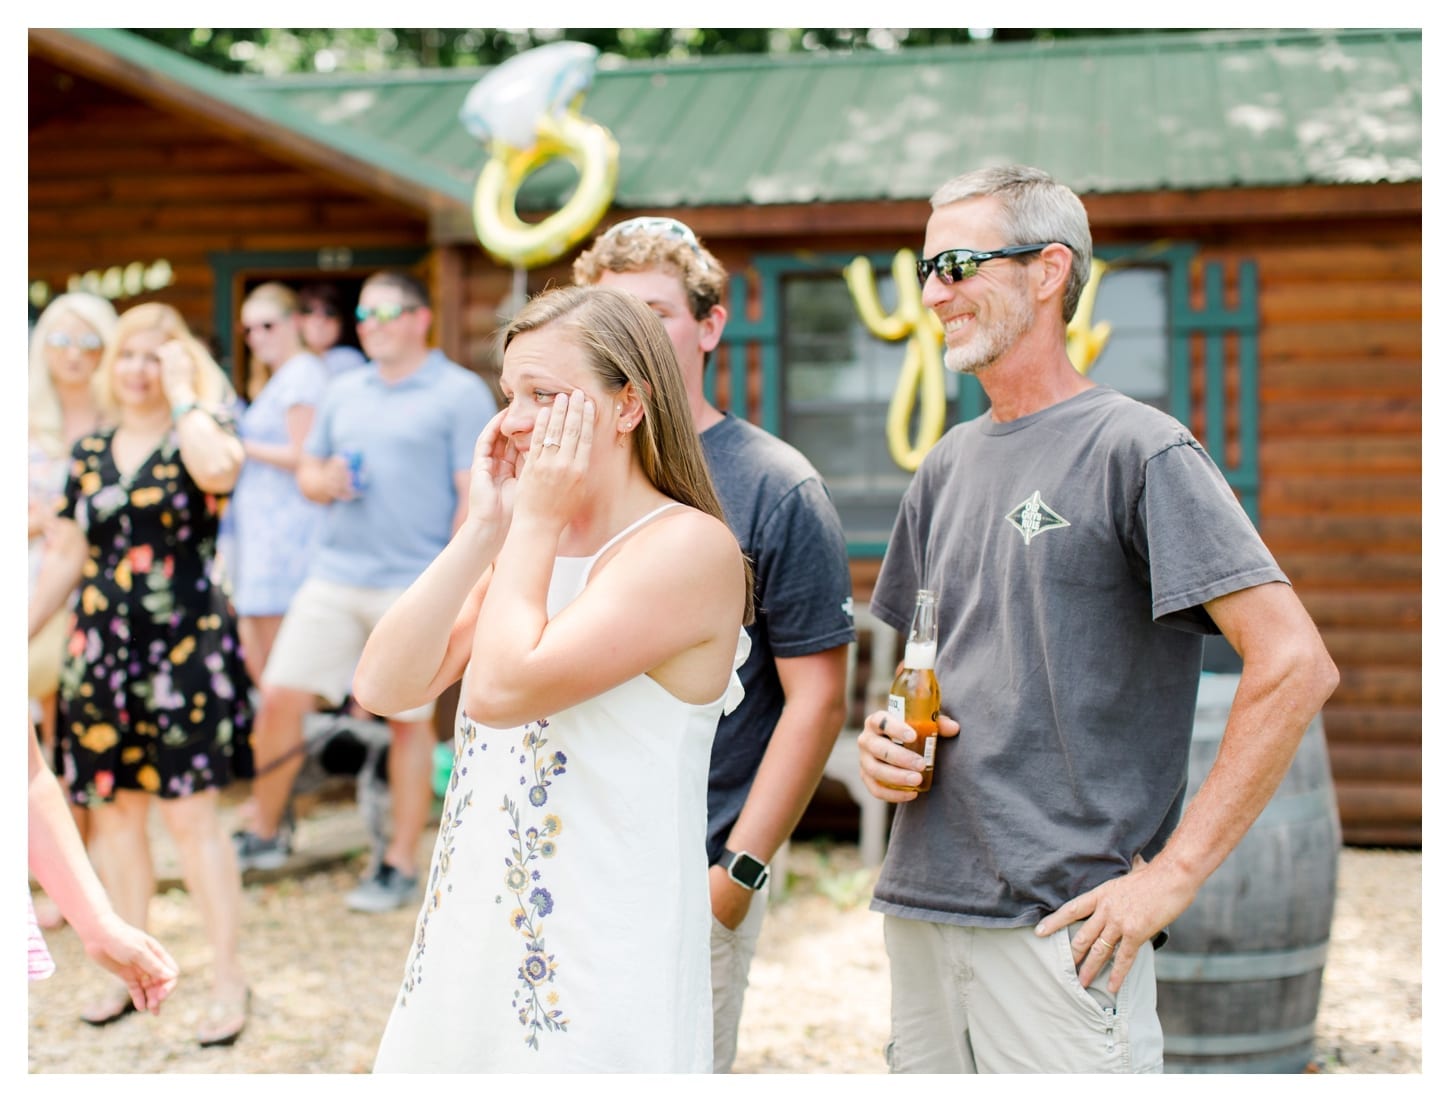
{"points": [[779, 510]]}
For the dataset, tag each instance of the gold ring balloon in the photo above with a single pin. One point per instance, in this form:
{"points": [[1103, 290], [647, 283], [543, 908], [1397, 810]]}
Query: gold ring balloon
{"points": [[921, 373], [527, 111]]}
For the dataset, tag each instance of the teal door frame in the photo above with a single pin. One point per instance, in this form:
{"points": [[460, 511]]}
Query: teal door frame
{"points": [[318, 263]]}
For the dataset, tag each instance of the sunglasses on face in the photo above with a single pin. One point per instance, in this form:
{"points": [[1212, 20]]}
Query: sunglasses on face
{"points": [[955, 264], [658, 227], [390, 311], [86, 342]]}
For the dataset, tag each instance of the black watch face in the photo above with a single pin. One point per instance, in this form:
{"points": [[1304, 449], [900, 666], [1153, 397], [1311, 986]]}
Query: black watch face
{"points": [[747, 870]]}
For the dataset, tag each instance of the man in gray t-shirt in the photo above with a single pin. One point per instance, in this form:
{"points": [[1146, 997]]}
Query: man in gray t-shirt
{"points": [[769, 752], [1081, 545]]}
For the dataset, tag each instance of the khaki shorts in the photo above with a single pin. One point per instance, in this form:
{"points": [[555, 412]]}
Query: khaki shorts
{"points": [[322, 637], [990, 999], [731, 952]]}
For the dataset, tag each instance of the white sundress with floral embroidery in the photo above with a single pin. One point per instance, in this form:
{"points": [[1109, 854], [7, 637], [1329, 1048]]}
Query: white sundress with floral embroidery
{"points": [[565, 924]]}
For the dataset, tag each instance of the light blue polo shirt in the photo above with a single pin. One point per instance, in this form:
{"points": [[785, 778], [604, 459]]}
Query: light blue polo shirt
{"points": [[413, 435]]}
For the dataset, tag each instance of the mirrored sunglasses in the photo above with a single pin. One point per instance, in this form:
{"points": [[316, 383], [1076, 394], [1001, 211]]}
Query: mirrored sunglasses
{"points": [[390, 311], [955, 264], [86, 342], [659, 227]]}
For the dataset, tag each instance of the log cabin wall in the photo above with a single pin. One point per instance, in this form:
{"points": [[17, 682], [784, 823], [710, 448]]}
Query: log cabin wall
{"points": [[1340, 504], [115, 181]]}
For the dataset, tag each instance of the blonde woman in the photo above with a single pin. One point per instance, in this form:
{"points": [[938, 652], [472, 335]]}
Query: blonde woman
{"points": [[274, 528], [592, 603], [154, 696], [65, 404]]}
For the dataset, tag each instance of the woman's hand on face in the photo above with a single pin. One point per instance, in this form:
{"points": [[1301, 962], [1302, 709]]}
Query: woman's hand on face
{"points": [[178, 373], [494, 481], [553, 482]]}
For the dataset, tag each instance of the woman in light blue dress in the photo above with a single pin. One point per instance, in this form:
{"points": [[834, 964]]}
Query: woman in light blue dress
{"points": [[274, 528]]}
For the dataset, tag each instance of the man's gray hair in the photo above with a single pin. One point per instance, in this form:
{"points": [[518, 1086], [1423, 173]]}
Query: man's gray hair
{"points": [[1035, 207]]}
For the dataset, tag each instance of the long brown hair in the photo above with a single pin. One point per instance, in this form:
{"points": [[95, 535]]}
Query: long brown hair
{"points": [[626, 343]]}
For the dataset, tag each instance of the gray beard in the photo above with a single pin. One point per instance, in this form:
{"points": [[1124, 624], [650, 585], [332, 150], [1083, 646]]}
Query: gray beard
{"points": [[991, 344]]}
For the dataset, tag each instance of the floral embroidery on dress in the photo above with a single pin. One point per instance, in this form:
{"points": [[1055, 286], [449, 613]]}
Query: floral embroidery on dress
{"points": [[454, 807], [534, 999]]}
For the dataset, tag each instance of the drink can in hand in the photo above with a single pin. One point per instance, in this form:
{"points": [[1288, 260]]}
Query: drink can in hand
{"points": [[356, 476]]}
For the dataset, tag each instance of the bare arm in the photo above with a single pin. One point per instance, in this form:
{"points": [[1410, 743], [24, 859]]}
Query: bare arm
{"points": [[323, 480], [211, 454], [60, 572], [421, 645], [288, 455], [1287, 677], [58, 860], [815, 709], [666, 602], [460, 487]]}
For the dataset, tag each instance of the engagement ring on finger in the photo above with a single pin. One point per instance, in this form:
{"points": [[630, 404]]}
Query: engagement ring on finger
{"points": [[550, 443]]}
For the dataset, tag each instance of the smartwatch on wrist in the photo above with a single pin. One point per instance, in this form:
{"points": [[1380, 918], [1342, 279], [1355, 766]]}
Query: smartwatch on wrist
{"points": [[747, 871]]}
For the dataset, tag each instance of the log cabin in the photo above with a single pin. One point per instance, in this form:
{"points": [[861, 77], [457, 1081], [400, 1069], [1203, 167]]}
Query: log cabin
{"points": [[1256, 196]]}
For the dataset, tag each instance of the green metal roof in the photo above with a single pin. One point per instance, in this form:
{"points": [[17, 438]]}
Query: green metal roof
{"points": [[1115, 114]]}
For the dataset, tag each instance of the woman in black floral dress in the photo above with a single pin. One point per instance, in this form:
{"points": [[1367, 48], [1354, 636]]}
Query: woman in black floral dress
{"points": [[154, 693]]}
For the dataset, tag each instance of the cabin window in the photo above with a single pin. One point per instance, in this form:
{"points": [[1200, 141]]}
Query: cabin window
{"points": [[1136, 358], [838, 380], [826, 381]]}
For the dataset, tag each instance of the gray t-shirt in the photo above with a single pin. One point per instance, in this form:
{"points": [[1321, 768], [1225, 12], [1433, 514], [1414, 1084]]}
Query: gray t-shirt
{"points": [[778, 508], [1072, 551]]}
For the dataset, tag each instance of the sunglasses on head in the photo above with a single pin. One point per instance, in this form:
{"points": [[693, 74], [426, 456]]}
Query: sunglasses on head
{"points": [[955, 264], [86, 342], [390, 311], [658, 227]]}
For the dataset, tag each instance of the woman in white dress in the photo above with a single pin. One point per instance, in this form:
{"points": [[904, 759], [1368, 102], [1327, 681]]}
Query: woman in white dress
{"points": [[593, 603]]}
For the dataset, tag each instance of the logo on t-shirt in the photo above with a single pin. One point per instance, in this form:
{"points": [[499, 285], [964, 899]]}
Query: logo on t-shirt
{"points": [[1034, 516]]}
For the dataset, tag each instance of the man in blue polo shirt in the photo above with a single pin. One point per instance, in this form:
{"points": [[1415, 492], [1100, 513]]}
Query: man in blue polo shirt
{"points": [[389, 454]]}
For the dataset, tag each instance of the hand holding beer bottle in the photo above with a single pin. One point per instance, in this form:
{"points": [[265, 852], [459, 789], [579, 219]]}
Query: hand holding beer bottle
{"points": [[915, 697]]}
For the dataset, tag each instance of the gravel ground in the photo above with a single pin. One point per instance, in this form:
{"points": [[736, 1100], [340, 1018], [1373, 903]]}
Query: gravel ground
{"points": [[324, 979]]}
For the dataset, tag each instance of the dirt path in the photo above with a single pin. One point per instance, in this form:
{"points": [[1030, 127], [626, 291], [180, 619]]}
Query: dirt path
{"points": [[324, 979]]}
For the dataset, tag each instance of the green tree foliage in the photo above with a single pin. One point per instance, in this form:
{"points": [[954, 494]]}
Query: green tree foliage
{"points": [[274, 51]]}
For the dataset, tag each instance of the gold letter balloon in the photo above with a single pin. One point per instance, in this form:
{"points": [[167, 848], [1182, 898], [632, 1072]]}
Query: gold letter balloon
{"points": [[921, 382]]}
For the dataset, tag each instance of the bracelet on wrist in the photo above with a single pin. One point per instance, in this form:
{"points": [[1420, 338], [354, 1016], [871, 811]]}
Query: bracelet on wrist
{"points": [[181, 409]]}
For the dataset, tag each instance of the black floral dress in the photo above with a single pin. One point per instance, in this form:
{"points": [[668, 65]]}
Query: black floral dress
{"points": [[154, 695]]}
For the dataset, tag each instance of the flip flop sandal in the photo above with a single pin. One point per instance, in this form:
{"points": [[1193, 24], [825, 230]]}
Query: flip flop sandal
{"points": [[119, 1011], [225, 1022]]}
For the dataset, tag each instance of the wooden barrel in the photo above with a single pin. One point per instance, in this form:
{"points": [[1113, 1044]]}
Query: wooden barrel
{"points": [[1238, 980]]}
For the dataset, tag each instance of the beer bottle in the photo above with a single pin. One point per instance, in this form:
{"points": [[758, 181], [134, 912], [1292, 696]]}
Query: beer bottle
{"points": [[915, 694]]}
